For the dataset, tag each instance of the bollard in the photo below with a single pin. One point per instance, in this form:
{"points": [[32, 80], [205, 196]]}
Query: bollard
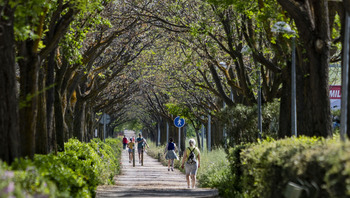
{"points": [[158, 157], [142, 157], [133, 157]]}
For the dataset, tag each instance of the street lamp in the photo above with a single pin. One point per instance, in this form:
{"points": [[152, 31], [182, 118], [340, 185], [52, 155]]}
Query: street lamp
{"points": [[283, 27], [345, 76]]}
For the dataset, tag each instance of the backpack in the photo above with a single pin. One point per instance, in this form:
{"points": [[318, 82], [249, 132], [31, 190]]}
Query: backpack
{"points": [[191, 157]]}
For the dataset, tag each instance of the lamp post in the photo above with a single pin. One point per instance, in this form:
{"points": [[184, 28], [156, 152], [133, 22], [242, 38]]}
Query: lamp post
{"points": [[345, 75], [283, 27]]}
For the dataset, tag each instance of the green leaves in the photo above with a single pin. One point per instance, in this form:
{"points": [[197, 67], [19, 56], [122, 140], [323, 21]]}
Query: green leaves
{"points": [[76, 172], [27, 17]]}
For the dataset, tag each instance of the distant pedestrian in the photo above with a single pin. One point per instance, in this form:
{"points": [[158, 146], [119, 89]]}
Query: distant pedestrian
{"points": [[170, 151], [140, 145], [131, 145], [192, 157], [125, 142]]}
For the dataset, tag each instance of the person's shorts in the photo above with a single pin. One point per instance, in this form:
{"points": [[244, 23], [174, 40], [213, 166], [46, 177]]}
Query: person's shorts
{"points": [[130, 150], [139, 150], [191, 169]]}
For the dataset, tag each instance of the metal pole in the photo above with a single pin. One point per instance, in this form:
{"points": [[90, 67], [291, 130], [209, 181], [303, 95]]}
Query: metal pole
{"points": [[202, 138], [179, 141], [224, 131], [167, 131], [104, 127], [133, 156], [142, 157], [209, 133], [232, 121], [345, 80], [294, 106], [259, 106], [158, 138]]}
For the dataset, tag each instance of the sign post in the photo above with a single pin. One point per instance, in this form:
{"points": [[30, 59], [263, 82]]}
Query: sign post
{"points": [[179, 122], [105, 119]]}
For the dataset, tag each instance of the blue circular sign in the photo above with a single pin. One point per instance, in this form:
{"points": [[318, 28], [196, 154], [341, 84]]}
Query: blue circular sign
{"points": [[179, 122]]}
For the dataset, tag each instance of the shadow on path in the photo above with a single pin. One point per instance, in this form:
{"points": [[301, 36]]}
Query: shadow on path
{"points": [[150, 180]]}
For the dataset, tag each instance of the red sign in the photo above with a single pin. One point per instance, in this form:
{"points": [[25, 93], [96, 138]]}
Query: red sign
{"points": [[335, 92]]}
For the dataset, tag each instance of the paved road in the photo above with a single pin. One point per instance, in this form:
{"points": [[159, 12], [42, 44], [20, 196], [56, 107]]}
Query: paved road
{"points": [[150, 180]]}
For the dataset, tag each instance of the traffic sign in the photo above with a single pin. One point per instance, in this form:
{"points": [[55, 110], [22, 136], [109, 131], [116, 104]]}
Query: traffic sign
{"points": [[105, 119], [179, 122]]}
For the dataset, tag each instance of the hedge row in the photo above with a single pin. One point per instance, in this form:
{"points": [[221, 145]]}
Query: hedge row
{"points": [[76, 172], [293, 167]]}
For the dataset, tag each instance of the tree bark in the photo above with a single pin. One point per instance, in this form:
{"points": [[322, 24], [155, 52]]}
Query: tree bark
{"points": [[285, 105], [78, 121], [41, 138], [29, 69], [50, 99], [9, 128], [59, 122], [312, 21]]}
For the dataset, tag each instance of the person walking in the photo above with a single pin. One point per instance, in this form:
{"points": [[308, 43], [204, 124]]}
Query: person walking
{"points": [[140, 145], [192, 157], [131, 145], [125, 142], [170, 151]]}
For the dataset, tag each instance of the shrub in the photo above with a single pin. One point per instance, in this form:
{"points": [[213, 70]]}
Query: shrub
{"points": [[76, 172], [241, 122], [299, 167], [23, 183]]}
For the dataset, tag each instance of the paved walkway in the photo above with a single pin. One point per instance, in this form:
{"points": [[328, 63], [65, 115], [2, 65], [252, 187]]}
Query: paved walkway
{"points": [[150, 180]]}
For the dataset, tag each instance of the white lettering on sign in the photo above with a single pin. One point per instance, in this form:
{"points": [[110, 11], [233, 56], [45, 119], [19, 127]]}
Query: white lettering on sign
{"points": [[335, 94]]}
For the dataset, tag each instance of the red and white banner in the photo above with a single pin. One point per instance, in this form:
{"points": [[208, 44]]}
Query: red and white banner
{"points": [[335, 92], [335, 96]]}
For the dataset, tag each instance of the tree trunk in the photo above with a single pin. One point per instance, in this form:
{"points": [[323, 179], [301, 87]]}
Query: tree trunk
{"points": [[198, 139], [41, 138], [78, 120], [9, 130], [50, 99], [312, 21], [285, 105], [29, 67], [59, 122]]}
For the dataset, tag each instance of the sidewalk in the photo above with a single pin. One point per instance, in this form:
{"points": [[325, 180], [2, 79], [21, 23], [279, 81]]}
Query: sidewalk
{"points": [[150, 180]]}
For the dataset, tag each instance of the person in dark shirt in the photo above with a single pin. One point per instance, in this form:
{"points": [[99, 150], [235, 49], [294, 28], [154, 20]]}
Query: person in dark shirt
{"points": [[140, 145], [170, 151]]}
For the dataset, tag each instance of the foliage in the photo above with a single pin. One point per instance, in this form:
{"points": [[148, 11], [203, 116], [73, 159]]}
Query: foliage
{"points": [[76, 172], [134, 125], [209, 175], [24, 183], [317, 167], [241, 122]]}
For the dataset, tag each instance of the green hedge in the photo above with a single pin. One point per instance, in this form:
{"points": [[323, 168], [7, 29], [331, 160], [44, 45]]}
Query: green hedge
{"points": [[292, 167], [76, 172]]}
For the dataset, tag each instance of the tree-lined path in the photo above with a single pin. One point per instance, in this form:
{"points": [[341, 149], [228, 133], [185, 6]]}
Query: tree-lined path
{"points": [[150, 180]]}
